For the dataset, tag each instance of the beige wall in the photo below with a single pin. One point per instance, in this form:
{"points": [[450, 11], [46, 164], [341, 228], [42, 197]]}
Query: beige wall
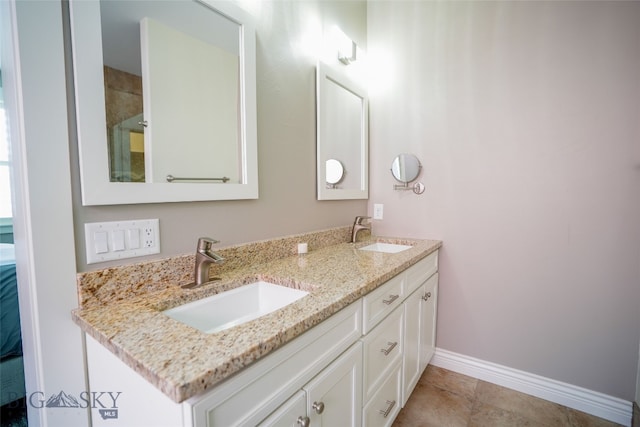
{"points": [[286, 144], [526, 116]]}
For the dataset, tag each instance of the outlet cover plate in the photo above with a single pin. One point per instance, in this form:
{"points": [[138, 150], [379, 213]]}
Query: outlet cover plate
{"points": [[106, 241], [378, 210]]}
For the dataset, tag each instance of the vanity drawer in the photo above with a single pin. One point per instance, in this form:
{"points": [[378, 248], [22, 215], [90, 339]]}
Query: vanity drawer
{"points": [[417, 274], [384, 406], [383, 349], [381, 302]]}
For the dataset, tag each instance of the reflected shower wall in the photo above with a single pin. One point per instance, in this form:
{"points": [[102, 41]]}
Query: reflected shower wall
{"points": [[123, 99]]}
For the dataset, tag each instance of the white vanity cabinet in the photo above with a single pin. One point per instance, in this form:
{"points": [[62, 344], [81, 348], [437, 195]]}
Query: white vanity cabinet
{"points": [[356, 368]]}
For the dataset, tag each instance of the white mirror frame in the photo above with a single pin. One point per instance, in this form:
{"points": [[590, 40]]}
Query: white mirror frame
{"points": [[97, 189], [324, 75]]}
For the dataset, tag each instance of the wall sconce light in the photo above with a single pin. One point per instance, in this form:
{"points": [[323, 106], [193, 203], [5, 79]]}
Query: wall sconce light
{"points": [[347, 53], [346, 47]]}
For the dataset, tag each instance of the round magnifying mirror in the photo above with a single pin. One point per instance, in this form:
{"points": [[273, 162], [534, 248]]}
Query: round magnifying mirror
{"points": [[334, 171], [405, 168]]}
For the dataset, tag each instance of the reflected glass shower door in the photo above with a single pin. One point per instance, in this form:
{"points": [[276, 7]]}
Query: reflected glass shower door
{"points": [[127, 151]]}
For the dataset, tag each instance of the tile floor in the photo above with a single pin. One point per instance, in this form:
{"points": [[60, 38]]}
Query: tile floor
{"points": [[443, 398]]}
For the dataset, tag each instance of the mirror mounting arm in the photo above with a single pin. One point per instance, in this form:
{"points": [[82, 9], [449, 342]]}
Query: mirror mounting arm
{"points": [[417, 187]]}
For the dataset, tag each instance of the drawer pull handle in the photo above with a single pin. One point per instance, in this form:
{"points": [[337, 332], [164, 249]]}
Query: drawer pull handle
{"points": [[391, 299], [388, 350], [426, 296], [318, 407], [391, 404], [303, 421]]}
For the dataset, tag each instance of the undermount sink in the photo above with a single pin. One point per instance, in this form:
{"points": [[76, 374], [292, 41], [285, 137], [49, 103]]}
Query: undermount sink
{"points": [[390, 248], [235, 307]]}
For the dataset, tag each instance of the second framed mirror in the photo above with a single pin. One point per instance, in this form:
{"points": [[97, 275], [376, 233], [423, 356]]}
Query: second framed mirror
{"points": [[342, 135]]}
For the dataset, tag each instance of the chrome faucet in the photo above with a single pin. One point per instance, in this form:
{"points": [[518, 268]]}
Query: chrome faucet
{"points": [[359, 226], [205, 257]]}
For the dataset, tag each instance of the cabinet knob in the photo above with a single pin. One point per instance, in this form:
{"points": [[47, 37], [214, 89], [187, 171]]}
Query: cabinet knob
{"points": [[426, 296], [318, 407], [391, 299], [385, 412], [303, 421]]}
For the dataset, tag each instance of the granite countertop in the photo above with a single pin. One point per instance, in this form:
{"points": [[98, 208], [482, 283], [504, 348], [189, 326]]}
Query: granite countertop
{"points": [[183, 362]]}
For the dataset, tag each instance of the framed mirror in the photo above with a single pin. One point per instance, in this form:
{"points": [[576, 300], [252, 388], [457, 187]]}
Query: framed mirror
{"points": [[342, 136], [165, 101]]}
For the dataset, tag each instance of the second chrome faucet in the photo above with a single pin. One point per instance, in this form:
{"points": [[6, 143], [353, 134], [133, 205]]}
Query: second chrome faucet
{"points": [[205, 257]]}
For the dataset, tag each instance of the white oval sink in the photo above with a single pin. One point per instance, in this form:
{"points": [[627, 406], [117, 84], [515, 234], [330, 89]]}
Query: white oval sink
{"points": [[390, 248], [234, 307]]}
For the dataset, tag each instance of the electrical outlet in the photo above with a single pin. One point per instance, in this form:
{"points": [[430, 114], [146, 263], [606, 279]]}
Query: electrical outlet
{"points": [[148, 237], [107, 241], [378, 209]]}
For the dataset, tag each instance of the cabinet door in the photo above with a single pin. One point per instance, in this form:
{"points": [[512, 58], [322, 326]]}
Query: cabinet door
{"points": [[292, 413], [413, 326], [428, 321], [419, 334], [334, 397]]}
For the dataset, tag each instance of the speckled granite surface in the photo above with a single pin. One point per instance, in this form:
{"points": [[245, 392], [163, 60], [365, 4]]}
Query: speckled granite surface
{"points": [[125, 315], [124, 282]]}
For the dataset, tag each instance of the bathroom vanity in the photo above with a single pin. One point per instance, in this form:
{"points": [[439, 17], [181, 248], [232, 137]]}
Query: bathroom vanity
{"points": [[348, 353]]}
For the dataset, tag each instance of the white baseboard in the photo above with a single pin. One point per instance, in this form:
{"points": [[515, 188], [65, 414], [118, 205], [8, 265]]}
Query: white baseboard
{"points": [[592, 402]]}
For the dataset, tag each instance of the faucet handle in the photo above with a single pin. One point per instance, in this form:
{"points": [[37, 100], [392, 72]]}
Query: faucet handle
{"points": [[359, 219], [204, 243]]}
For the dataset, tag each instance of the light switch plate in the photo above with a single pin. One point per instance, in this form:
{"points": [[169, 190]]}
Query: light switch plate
{"points": [[106, 241]]}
